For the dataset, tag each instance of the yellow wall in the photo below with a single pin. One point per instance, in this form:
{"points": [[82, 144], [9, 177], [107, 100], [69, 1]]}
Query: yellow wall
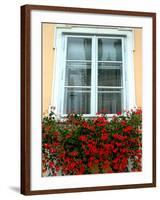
{"points": [[48, 57], [138, 66], [49, 60]]}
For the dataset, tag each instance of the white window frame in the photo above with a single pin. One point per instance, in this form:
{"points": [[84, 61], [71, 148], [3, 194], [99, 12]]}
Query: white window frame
{"points": [[62, 31]]}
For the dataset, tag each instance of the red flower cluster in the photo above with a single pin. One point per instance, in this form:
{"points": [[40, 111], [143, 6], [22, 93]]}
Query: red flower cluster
{"points": [[128, 129], [81, 146], [101, 121], [83, 138]]}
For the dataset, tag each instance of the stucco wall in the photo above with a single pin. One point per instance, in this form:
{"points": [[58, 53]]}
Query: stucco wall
{"points": [[49, 60], [138, 66]]}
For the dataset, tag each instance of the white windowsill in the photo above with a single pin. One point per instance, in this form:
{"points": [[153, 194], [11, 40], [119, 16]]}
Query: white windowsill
{"points": [[64, 116]]}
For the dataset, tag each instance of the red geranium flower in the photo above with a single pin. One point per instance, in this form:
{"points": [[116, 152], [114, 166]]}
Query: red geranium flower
{"points": [[46, 146], [101, 121], [83, 138], [74, 153], [138, 112], [128, 129], [104, 137], [82, 169], [51, 164], [57, 168], [119, 113], [98, 145], [56, 144], [123, 123], [52, 150], [119, 137]]}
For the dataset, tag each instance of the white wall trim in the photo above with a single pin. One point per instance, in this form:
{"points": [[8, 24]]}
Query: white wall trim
{"points": [[128, 66]]}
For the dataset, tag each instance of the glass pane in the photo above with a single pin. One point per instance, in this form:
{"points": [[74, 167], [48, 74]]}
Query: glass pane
{"points": [[109, 49], [78, 73], [79, 48], [109, 74], [109, 101], [77, 100]]}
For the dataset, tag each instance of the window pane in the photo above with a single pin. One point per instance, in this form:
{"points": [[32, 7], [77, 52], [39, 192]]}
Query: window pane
{"points": [[109, 101], [109, 49], [78, 73], [79, 48], [109, 74], [77, 100]]}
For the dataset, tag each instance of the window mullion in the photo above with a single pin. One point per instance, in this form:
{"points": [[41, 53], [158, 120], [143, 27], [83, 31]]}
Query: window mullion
{"points": [[96, 74], [64, 46], [123, 77], [93, 79]]}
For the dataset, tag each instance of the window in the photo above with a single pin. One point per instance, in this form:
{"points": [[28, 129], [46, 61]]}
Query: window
{"points": [[94, 71]]}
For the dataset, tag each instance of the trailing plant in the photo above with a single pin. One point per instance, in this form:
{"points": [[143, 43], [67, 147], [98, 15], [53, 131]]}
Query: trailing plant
{"points": [[89, 146]]}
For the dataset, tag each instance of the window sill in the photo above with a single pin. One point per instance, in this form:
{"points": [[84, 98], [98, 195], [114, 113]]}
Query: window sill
{"points": [[63, 117]]}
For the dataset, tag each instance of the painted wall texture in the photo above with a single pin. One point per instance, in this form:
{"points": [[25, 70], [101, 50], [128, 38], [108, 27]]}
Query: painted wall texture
{"points": [[48, 60], [138, 66]]}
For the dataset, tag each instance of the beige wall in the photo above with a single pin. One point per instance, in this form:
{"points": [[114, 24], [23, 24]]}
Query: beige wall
{"points": [[138, 66], [49, 60]]}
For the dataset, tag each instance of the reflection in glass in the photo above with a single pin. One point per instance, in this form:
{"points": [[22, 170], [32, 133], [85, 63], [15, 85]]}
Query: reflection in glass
{"points": [[77, 100], [109, 49], [79, 48], [78, 73], [109, 74], [109, 100]]}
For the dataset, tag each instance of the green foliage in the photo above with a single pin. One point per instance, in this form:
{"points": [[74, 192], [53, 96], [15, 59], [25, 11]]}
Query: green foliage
{"points": [[78, 145]]}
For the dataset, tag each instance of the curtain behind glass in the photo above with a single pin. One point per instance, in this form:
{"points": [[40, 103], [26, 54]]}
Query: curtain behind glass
{"points": [[78, 76]]}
